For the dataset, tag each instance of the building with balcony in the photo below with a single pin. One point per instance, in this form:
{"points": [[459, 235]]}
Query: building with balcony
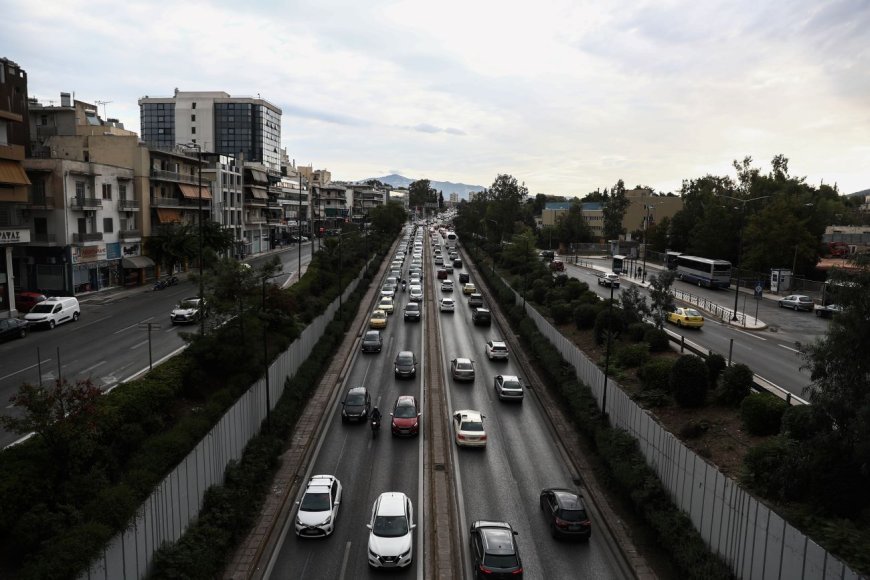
{"points": [[243, 127], [225, 176], [257, 183], [331, 207], [364, 198], [14, 182]]}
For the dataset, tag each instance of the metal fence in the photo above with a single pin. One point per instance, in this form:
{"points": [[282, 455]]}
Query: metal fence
{"points": [[754, 541], [177, 500]]}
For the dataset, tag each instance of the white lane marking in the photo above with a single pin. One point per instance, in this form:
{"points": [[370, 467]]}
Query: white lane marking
{"points": [[12, 374], [92, 322], [138, 344], [344, 560], [749, 334], [789, 348], [134, 325], [90, 368]]}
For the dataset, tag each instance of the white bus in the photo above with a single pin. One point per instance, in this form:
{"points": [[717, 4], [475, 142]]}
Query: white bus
{"points": [[451, 240], [704, 271]]}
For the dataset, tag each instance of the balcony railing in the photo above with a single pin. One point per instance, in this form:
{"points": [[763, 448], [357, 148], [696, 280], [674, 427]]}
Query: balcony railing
{"points": [[173, 176], [90, 237], [82, 203], [128, 234], [128, 204], [40, 201]]}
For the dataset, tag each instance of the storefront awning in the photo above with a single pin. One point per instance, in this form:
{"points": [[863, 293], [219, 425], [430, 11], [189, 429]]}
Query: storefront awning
{"points": [[12, 173], [192, 191], [257, 191], [167, 216], [137, 262]]}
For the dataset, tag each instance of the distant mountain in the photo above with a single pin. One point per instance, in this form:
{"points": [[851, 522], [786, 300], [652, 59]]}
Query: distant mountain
{"points": [[861, 193], [446, 187]]}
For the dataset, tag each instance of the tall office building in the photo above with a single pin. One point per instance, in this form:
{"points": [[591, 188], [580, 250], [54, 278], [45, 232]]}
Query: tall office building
{"points": [[216, 122]]}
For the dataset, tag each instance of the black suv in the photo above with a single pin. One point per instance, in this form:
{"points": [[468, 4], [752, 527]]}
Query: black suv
{"points": [[481, 317], [475, 300], [494, 553], [412, 311], [356, 405], [372, 341], [565, 513], [406, 364], [463, 278]]}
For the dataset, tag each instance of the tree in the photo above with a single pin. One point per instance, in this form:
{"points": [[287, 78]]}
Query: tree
{"points": [[634, 306], [658, 235], [440, 200], [388, 219], [661, 298], [420, 193], [572, 226], [171, 244], [615, 207], [506, 196]]}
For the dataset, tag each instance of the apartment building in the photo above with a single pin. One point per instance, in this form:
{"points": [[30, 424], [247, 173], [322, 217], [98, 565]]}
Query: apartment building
{"points": [[14, 182]]}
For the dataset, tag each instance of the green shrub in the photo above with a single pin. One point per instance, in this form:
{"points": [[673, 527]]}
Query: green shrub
{"points": [[689, 381], [715, 364], [606, 321], [636, 331], [802, 422], [761, 414], [657, 339], [655, 374], [737, 383], [584, 316], [652, 398], [633, 356], [694, 429], [561, 312]]}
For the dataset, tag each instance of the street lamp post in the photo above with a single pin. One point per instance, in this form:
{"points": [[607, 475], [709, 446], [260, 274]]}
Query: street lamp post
{"points": [[740, 246], [607, 355]]}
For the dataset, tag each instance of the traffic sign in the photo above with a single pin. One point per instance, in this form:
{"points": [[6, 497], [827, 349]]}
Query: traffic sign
{"points": [[759, 288]]}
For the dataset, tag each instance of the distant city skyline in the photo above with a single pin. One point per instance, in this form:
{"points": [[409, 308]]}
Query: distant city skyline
{"points": [[568, 97]]}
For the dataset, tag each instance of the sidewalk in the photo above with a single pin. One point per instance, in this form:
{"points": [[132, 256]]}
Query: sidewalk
{"points": [[723, 313]]}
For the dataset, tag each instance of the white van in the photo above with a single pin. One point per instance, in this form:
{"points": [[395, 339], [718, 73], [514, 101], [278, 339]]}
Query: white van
{"points": [[54, 311]]}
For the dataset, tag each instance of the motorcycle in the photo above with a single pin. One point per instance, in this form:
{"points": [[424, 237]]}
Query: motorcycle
{"points": [[160, 285], [376, 426], [403, 286], [166, 282]]}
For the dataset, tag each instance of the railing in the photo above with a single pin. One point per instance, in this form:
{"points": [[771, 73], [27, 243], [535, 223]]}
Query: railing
{"points": [[128, 204], [40, 201], [89, 237], [164, 201], [127, 234], [174, 176], [718, 311], [82, 203]]}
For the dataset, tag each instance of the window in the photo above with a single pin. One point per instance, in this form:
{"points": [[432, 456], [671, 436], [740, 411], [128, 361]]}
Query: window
{"points": [[122, 191], [193, 118], [107, 191], [193, 130], [108, 226], [193, 105], [80, 188]]}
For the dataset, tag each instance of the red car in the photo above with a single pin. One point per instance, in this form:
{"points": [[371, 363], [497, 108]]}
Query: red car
{"points": [[405, 417]]}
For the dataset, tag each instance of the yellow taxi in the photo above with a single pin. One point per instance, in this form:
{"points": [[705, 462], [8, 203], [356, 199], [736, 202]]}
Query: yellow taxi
{"points": [[386, 304], [378, 319], [469, 289], [688, 317]]}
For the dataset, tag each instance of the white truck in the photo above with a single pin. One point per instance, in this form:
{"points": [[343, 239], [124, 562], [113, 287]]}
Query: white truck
{"points": [[608, 279]]}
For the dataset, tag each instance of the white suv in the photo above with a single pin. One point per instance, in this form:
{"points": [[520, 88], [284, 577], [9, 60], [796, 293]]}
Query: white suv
{"points": [[496, 349], [391, 540]]}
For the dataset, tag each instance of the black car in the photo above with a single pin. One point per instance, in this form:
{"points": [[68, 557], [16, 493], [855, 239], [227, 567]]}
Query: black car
{"points": [[412, 311], [494, 552], [13, 328], [475, 300], [372, 341], [356, 405], [463, 278], [481, 317], [457, 263], [406, 364], [565, 513]]}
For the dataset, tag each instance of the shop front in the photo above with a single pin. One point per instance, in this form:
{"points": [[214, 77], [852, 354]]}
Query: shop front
{"points": [[95, 267], [138, 269]]}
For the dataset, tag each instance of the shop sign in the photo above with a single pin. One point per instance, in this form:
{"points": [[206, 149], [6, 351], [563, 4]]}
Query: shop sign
{"points": [[85, 254], [8, 236]]}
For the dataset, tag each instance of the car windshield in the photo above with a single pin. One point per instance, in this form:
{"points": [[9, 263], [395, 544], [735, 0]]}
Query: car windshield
{"points": [[404, 360], [573, 515], [372, 336], [187, 304], [501, 561], [691, 312], [463, 366], [412, 307], [804, 299], [471, 426], [511, 384], [405, 412], [378, 315], [355, 399], [390, 526], [42, 308], [315, 502]]}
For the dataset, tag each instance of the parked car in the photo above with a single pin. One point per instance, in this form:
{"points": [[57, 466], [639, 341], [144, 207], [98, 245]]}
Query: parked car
{"points": [[566, 513], [446, 305], [54, 311], [356, 405], [412, 312], [25, 300], [468, 428], [318, 508], [797, 302], [13, 328], [405, 417], [688, 317], [509, 388], [391, 531], [481, 317], [494, 551], [378, 319], [496, 349], [405, 365], [188, 311], [372, 341], [462, 369], [475, 300]]}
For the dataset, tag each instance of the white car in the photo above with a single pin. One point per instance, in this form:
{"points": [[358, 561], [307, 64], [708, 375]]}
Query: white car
{"points": [[416, 293], [318, 507], [496, 349], [391, 539], [386, 304], [447, 285], [508, 388], [446, 305], [468, 429], [388, 291]]}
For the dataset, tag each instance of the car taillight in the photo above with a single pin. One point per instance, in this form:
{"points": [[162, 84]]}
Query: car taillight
{"points": [[520, 571], [560, 523], [484, 569], [483, 437], [461, 437]]}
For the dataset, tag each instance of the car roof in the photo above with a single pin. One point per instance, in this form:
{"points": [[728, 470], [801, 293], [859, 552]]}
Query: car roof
{"points": [[497, 343], [356, 389], [461, 359], [497, 539], [405, 353], [509, 378], [482, 310], [406, 400], [391, 503], [372, 333], [412, 306], [470, 415], [568, 499]]}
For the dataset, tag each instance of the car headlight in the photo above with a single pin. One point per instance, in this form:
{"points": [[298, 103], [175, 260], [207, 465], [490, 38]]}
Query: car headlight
{"points": [[406, 554], [327, 521]]}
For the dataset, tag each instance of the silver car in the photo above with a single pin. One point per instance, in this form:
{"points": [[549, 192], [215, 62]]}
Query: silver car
{"points": [[797, 302], [508, 388], [462, 369]]}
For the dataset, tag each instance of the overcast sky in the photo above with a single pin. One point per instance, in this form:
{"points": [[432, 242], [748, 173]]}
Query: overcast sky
{"points": [[565, 95]]}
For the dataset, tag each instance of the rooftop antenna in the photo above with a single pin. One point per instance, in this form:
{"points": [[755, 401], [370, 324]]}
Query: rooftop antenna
{"points": [[104, 103]]}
